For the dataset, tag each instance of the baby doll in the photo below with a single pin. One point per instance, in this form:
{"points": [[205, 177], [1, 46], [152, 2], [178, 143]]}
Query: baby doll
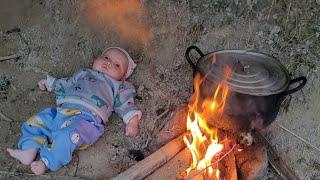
{"points": [[84, 103]]}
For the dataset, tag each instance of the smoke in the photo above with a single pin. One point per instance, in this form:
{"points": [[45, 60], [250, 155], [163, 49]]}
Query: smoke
{"points": [[126, 18]]}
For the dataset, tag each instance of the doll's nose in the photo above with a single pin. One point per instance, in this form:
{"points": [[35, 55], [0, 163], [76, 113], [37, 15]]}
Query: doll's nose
{"points": [[108, 63]]}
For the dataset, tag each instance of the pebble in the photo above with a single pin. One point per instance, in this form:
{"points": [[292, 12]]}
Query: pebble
{"points": [[140, 89], [114, 158], [275, 30], [150, 93], [270, 42]]}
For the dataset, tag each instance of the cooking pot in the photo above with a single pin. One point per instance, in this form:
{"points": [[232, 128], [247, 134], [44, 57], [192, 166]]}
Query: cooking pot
{"points": [[258, 85]]}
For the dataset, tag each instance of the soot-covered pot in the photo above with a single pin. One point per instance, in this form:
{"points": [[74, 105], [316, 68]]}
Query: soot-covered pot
{"points": [[259, 83]]}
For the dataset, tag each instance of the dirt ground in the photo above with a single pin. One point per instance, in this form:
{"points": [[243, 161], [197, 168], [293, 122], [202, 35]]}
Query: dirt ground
{"points": [[59, 37]]}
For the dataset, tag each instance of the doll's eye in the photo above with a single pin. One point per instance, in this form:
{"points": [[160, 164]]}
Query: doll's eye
{"points": [[117, 65], [106, 57]]}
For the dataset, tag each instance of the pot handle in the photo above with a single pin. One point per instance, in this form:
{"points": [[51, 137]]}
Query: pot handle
{"points": [[187, 55], [300, 86]]}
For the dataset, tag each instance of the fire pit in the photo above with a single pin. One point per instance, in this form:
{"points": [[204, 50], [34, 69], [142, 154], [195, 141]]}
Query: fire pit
{"points": [[235, 93]]}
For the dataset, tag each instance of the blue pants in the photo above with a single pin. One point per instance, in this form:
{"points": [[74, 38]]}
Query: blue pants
{"points": [[57, 132]]}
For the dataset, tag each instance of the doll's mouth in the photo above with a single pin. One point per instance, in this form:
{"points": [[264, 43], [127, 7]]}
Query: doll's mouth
{"points": [[106, 66]]}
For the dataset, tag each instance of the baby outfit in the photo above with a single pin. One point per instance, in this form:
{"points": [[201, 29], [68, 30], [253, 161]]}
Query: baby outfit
{"points": [[85, 102]]}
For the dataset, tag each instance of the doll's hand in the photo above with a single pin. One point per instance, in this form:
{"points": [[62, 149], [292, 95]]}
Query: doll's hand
{"points": [[132, 128], [42, 85]]}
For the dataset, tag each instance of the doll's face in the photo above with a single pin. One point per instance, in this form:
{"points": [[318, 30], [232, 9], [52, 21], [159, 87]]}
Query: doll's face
{"points": [[113, 62]]}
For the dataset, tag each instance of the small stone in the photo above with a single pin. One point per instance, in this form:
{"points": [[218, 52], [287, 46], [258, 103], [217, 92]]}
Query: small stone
{"points": [[114, 158], [150, 93], [140, 89], [246, 139], [205, 5], [270, 42], [275, 16], [275, 30], [291, 53]]}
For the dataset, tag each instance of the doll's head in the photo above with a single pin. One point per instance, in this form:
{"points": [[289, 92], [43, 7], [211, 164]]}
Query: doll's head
{"points": [[115, 62]]}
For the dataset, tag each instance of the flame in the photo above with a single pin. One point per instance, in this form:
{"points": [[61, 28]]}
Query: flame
{"points": [[204, 145]]}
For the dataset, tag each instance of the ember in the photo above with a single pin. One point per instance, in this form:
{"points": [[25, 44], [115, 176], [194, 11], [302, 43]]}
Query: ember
{"points": [[205, 145]]}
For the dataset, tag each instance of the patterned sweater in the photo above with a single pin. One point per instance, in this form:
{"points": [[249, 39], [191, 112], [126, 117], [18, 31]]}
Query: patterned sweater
{"points": [[96, 91]]}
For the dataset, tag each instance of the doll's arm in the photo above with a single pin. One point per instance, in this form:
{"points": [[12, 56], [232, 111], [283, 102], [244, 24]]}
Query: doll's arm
{"points": [[50, 83], [124, 103]]}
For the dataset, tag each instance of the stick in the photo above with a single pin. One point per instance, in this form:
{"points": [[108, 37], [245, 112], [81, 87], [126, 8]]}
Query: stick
{"points": [[4, 117], [276, 162], [4, 58], [155, 130], [154, 161], [303, 140]]}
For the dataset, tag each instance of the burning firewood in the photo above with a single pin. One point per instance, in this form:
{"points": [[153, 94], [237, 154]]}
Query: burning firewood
{"points": [[154, 161], [252, 161]]}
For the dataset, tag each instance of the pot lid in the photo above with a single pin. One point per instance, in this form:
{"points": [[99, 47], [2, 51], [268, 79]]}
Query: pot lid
{"points": [[253, 73]]}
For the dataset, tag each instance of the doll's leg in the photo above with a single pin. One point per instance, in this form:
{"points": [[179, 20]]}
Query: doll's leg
{"points": [[34, 135], [24, 156], [65, 140]]}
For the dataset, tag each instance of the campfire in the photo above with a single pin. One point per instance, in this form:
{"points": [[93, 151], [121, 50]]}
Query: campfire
{"points": [[217, 135], [206, 147]]}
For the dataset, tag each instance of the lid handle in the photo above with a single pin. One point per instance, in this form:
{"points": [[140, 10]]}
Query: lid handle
{"points": [[187, 55], [303, 81]]}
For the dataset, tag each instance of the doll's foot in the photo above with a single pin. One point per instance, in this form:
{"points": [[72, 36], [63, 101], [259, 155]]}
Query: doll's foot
{"points": [[38, 167], [132, 128], [24, 156]]}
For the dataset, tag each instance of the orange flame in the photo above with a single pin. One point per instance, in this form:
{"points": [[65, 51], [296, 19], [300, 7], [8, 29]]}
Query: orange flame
{"points": [[204, 145]]}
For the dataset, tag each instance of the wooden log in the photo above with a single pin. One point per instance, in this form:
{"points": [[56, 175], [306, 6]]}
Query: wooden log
{"points": [[228, 167], [176, 126], [154, 161], [174, 168], [274, 159], [252, 161]]}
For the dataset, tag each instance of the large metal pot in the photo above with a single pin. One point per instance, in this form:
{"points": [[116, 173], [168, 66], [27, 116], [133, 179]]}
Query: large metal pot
{"points": [[259, 84]]}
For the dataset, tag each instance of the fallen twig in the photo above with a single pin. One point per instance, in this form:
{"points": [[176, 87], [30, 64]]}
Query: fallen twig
{"points": [[14, 56], [78, 160], [155, 130], [4, 117], [149, 137], [303, 140], [13, 87], [287, 18], [271, 7]]}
